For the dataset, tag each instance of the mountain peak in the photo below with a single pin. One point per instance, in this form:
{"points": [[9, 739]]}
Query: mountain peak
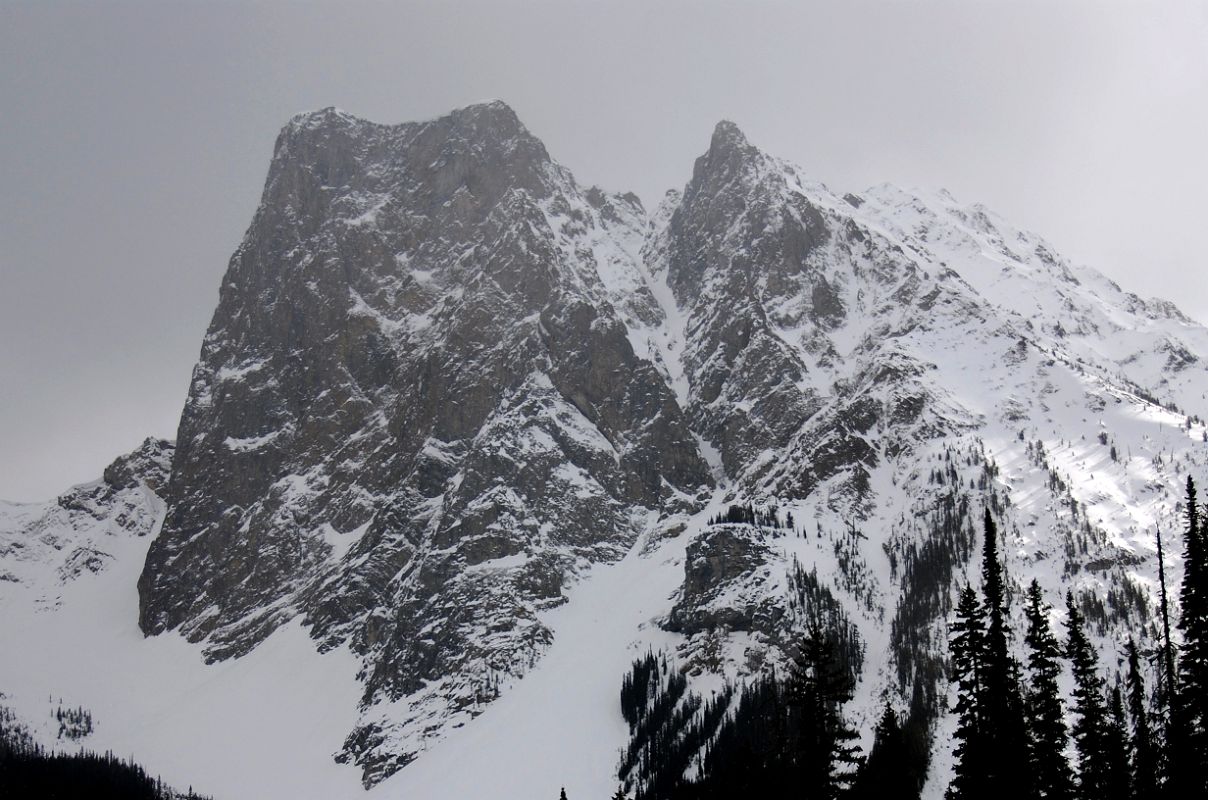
{"points": [[492, 118], [727, 135], [149, 463], [730, 154], [327, 117], [493, 108]]}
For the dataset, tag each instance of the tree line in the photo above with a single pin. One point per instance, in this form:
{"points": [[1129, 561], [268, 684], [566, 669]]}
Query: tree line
{"points": [[30, 772], [780, 730], [1013, 738], [1127, 742], [748, 514]]}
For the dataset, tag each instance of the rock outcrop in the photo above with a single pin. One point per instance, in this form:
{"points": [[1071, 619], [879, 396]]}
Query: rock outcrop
{"points": [[444, 381]]}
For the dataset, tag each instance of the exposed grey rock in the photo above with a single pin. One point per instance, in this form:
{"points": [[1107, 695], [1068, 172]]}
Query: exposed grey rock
{"points": [[737, 581], [418, 412], [723, 573], [443, 381]]}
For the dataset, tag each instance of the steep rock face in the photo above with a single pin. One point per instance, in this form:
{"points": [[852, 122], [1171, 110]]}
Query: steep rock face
{"points": [[443, 379], [417, 412], [886, 363], [742, 595], [791, 307]]}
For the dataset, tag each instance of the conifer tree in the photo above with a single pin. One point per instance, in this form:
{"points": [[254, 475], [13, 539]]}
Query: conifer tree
{"points": [[562, 795], [1167, 654], [1191, 706], [1045, 716], [1003, 702], [620, 794], [1144, 756], [1172, 750], [887, 771], [1090, 723], [968, 651], [824, 755], [1115, 750]]}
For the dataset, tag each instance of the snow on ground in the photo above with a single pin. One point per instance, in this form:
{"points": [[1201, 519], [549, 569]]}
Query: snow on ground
{"points": [[1043, 405], [265, 726], [256, 728], [561, 725]]}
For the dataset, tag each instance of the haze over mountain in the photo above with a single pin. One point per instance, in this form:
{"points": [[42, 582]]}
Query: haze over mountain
{"points": [[146, 128], [466, 428]]}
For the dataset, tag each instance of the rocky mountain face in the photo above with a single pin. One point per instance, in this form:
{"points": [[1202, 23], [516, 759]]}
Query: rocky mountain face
{"points": [[417, 414], [445, 383]]}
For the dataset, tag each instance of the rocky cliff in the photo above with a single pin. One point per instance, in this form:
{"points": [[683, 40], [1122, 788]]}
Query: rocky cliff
{"points": [[444, 382]]}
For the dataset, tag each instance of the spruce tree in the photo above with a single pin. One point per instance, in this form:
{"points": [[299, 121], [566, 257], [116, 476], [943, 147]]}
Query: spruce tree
{"points": [[562, 795], [1191, 706], [1115, 750], [825, 755], [1191, 595], [1003, 703], [887, 771], [1167, 668], [1144, 768], [1090, 722], [1172, 751], [968, 652], [1045, 716]]}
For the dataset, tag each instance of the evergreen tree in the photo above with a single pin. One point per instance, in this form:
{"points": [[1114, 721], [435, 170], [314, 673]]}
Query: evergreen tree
{"points": [[28, 772], [1172, 748], [1144, 755], [887, 771], [968, 650], [1090, 721], [562, 795], [1003, 702], [1044, 714], [1190, 750], [748, 756], [1191, 595], [1167, 654], [823, 755], [1115, 750]]}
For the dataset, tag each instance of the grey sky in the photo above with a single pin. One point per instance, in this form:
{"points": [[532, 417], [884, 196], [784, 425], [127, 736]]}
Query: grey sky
{"points": [[135, 137]]}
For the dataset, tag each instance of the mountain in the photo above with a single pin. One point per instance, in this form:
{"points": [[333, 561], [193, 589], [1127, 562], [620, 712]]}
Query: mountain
{"points": [[417, 414], [474, 432], [44, 547]]}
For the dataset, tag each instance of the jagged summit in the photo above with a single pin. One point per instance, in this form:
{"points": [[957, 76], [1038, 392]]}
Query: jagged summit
{"points": [[327, 116], [150, 464], [482, 431], [730, 156], [727, 136], [493, 114], [491, 121], [425, 360], [479, 148]]}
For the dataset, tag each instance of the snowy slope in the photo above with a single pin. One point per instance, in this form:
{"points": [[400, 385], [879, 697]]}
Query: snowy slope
{"points": [[69, 625], [268, 725], [460, 424]]}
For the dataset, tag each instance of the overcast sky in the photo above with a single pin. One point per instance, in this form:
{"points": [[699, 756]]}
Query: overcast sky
{"points": [[135, 137]]}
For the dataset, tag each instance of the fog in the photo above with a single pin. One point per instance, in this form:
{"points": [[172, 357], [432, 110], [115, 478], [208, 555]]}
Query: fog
{"points": [[136, 135]]}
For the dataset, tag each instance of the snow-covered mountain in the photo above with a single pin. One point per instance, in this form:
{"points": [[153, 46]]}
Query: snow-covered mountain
{"points": [[460, 425]]}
